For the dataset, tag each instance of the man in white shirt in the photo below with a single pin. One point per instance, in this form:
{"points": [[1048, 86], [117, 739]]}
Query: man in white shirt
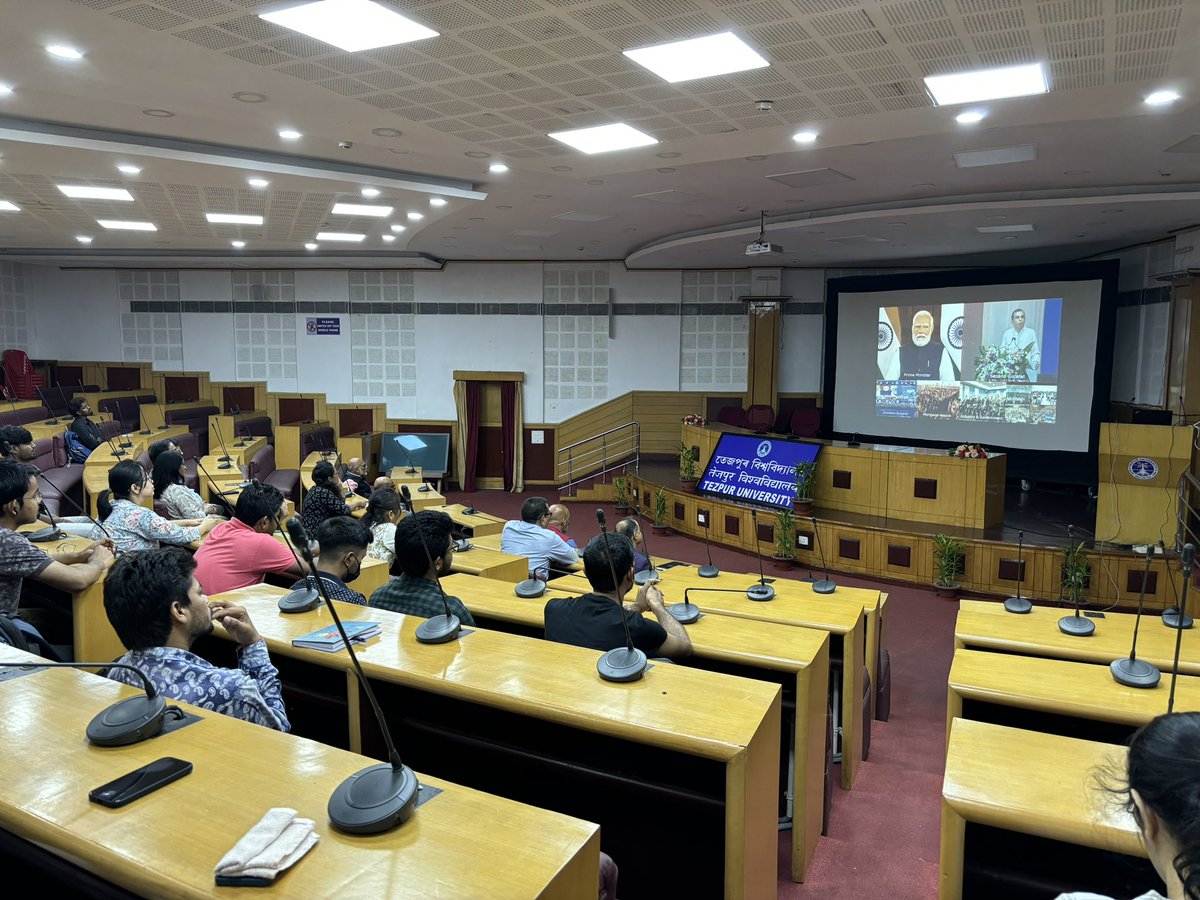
{"points": [[532, 539], [1018, 337]]}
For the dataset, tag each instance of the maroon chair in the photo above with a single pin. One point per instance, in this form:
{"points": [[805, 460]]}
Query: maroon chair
{"points": [[732, 415], [806, 421], [760, 418], [883, 697], [262, 468]]}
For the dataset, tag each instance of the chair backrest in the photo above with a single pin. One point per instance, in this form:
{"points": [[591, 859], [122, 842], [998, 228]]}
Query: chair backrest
{"points": [[263, 463], [23, 416], [45, 454], [317, 439], [806, 421], [732, 415], [160, 508], [760, 417]]}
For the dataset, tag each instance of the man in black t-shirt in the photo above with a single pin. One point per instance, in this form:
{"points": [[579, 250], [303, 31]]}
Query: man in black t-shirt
{"points": [[82, 427], [594, 620]]}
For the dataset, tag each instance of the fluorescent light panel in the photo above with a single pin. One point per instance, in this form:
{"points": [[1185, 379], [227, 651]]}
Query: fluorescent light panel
{"points": [[995, 156], [233, 219], [703, 57], [63, 51], [86, 192], [352, 25], [340, 236], [123, 225], [361, 209], [9, 206], [1001, 229], [604, 138], [987, 84], [5, 89], [259, 183]]}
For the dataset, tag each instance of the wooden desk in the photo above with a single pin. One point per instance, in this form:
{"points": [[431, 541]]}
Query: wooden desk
{"points": [[429, 499], [287, 442], [374, 573], [476, 525], [401, 475], [723, 644], [512, 710], [460, 841], [490, 564], [1036, 784], [228, 427], [364, 445], [985, 625], [795, 604]]}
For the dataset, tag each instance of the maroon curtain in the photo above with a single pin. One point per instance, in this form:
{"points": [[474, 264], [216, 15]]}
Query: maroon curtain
{"points": [[472, 436], [508, 416]]}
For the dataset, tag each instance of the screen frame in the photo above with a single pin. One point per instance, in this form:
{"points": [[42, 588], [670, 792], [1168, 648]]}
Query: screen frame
{"points": [[1067, 466], [428, 471]]}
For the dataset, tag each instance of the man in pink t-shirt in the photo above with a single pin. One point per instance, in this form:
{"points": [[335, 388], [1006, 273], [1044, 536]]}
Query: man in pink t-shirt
{"points": [[240, 552]]}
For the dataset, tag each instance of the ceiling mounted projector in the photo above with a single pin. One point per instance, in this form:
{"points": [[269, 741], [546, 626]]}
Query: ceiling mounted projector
{"points": [[761, 246]]}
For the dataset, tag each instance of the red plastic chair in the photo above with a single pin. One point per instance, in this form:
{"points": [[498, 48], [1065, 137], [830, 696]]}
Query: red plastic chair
{"points": [[19, 375], [806, 421], [760, 418]]}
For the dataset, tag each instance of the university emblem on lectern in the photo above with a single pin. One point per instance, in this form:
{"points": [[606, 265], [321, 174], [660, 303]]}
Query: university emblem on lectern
{"points": [[764, 449], [1143, 469]]}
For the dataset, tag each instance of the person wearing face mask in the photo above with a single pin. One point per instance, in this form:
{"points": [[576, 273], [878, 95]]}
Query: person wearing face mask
{"points": [[343, 541], [1018, 337], [924, 358]]}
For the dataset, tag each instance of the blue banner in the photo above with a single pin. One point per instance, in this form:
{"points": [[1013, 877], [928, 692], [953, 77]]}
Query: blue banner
{"points": [[755, 469]]}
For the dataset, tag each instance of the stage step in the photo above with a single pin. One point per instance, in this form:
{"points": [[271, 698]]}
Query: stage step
{"points": [[602, 492]]}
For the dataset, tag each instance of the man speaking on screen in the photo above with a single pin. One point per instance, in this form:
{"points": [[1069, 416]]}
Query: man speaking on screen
{"points": [[924, 358], [1018, 337]]}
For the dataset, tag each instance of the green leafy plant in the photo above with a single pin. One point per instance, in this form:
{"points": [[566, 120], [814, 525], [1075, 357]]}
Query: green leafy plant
{"points": [[660, 507], [1076, 571], [785, 535], [689, 458], [805, 474], [949, 554], [621, 489]]}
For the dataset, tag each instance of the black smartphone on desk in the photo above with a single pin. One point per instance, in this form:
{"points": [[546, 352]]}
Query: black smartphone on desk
{"points": [[140, 782]]}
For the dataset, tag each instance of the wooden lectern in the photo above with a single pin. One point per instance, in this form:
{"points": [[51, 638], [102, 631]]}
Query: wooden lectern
{"points": [[1140, 466]]}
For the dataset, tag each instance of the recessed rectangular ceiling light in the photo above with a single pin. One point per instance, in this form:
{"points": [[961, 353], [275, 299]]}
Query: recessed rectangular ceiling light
{"points": [[86, 192], [9, 206], [122, 225], [1001, 229], [340, 236], [703, 57], [361, 209], [233, 219], [987, 84], [603, 138], [995, 156], [352, 25]]}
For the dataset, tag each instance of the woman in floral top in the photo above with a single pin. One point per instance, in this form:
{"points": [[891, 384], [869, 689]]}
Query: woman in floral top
{"points": [[135, 527], [384, 510], [169, 489]]}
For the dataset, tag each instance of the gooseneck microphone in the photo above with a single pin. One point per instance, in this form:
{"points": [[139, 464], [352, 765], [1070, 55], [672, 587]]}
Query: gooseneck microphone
{"points": [[1175, 616], [51, 533], [438, 629], [1076, 625], [45, 403], [167, 393], [125, 722], [83, 512], [226, 461], [621, 663], [297, 600], [1021, 605], [238, 431], [1189, 557], [116, 449], [826, 584], [378, 797], [1131, 671], [762, 591], [687, 612], [652, 572], [217, 493], [709, 571], [143, 417]]}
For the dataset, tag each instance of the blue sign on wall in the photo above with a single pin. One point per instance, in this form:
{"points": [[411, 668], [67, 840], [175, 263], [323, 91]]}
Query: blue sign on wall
{"points": [[323, 326], [756, 469]]}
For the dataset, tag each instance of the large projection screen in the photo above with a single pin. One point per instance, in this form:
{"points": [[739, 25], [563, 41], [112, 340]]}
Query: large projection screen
{"points": [[1010, 365]]}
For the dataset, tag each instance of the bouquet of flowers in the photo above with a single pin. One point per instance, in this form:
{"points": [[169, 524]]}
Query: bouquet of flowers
{"points": [[1002, 364], [969, 451], [693, 419]]}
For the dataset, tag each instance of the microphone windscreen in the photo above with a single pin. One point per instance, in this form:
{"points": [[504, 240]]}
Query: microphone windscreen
{"points": [[404, 492], [295, 530], [600, 516], [1189, 554]]}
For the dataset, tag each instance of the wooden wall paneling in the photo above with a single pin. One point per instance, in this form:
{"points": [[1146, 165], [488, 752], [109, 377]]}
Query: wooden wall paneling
{"points": [[850, 540], [660, 414], [588, 424], [539, 458], [283, 412], [258, 394], [355, 417], [185, 386]]}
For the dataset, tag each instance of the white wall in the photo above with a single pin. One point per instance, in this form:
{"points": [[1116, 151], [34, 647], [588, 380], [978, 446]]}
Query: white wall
{"points": [[73, 314]]}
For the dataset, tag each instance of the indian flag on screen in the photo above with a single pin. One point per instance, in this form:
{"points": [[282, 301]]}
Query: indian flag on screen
{"points": [[889, 338], [951, 336]]}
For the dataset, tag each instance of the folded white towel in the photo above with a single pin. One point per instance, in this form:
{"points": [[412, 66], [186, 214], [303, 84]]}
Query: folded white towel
{"points": [[277, 841]]}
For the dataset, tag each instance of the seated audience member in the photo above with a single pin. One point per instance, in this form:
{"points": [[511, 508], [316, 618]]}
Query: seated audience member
{"points": [[594, 620], [415, 592], [17, 443], [326, 498], [384, 510], [84, 429], [136, 527], [632, 529], [159, 447], [383, 483], [169, 488], [344, 541], [158, 609], [240, 552], [355, 477], [1160, 787], [560, 523], [530, 538], [71, 571]]}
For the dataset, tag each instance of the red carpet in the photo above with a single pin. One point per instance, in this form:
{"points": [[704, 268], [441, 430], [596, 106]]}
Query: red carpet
{"points": [[883, 835]]}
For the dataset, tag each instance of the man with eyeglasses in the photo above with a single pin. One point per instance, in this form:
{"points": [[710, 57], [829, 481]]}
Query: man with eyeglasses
{"points": [[70, 571]]}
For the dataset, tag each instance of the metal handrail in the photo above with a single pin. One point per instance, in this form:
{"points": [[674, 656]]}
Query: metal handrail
{"points": [[1185, 512], [633, 422], [625, 449]]}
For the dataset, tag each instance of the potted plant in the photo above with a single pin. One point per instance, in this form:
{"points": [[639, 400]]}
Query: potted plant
{"points": [[805, 474], [621, 489], [660, 512], [1076, 572], [949, 554], [785, 541], [689, 458]]}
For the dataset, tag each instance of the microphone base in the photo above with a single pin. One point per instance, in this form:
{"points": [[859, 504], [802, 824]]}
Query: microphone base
{"points": [[146, 431], [128, 722], [1134, 673], [300, 600], [1019, 605], [374, 800], [124, 445], [648, 574], [760, 593], [1174, 620], [530, 588], [621, 664], [439, 629], [163, 427], [824, 586], [684, 613], [43, 534], [1076, 626], [423, 489], [709, 571]]}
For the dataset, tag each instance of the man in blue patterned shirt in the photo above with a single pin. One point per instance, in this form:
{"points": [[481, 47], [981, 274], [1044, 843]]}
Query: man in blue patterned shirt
{"points": [[157, 608]]}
